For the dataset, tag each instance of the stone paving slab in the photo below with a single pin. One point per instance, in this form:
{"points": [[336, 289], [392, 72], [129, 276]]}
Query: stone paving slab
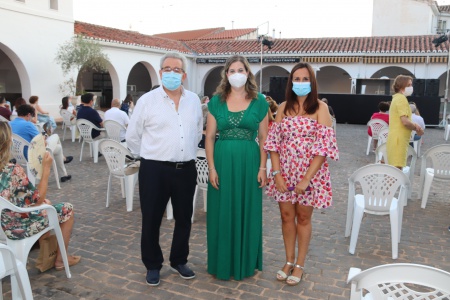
{"points": [[108, 239]]}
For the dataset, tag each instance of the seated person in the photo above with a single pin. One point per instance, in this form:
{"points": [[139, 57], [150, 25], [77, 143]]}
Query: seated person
{"points": [[17, 103], [88, 113], [416, 118], [67, 105], [382, 114], [5, 111], [23, 127], [42, 115], [330, 109], [118, 115], [15, 187]]}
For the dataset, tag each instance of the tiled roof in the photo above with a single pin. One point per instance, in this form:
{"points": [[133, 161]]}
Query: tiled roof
{"points": [[397, 45], [108, 34], [207, 34], [444, 8], [190, 34]]}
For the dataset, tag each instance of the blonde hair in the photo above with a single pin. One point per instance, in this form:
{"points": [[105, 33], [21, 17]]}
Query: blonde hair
{"points": [[273, 107], [400, 82], [5, 144]]}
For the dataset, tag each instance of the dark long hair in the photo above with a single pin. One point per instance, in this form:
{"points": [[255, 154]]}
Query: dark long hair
{"points": [[311, 104], [65, 102], [224, 88]]}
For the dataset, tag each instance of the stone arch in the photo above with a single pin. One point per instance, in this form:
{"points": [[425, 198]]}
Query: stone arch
{"points": [[16, 75]]}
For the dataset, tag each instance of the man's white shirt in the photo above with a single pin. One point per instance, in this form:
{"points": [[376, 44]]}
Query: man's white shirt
{"points": [[120, 117], [157, 131]]}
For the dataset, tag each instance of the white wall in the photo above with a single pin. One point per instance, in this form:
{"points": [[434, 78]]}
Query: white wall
{"points": [[401, 17], [30, 34]]}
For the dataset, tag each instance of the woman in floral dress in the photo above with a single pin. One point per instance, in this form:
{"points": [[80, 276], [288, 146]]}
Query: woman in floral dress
{"points": [[16, 188], [300, 180]]}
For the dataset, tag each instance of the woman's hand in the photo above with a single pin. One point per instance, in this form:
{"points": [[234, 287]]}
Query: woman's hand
{"points": [[214, 178], [262, 178], [300, 188], [419, 130], [47, 161], [280, 184]]}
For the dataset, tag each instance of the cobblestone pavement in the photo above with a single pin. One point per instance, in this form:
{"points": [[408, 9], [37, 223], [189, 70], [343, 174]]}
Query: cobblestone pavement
{"points": [[108, 239]]}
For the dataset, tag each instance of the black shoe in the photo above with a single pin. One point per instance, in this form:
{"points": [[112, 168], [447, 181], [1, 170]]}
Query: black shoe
{"points": [[184, 271], [65, 178], [68, 159], [152, 277]]}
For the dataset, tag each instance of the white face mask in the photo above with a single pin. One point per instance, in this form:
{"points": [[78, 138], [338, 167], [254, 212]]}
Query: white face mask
{"points": [[408, 91], [237, 80]]}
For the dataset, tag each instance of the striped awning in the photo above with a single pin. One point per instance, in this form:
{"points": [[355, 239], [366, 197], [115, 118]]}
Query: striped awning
{"points": [[374, 59]]}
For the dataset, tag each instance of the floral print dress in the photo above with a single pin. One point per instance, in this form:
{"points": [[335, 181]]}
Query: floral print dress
{"points": [[298, 140], [15, 187]]}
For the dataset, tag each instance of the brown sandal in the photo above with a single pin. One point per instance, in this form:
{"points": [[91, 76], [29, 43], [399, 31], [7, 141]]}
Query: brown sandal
{"points": [[76, 259]]}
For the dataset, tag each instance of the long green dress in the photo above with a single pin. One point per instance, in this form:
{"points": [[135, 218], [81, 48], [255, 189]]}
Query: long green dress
{"points": [[234, 218]]}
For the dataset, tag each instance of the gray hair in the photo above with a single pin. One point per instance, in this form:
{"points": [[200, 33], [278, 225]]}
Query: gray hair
{"points": [[176, 56]]}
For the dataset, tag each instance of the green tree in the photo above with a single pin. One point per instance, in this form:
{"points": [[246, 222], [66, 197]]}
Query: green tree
{"points": [[81, 55]]}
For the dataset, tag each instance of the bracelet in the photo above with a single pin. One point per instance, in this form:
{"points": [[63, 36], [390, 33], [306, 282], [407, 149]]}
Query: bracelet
{"points": [[263, 169]]}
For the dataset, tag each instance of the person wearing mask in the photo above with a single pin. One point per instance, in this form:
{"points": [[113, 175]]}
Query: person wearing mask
{"points": [[400, 124], [164, 131], [300, 180], [237, 173]]}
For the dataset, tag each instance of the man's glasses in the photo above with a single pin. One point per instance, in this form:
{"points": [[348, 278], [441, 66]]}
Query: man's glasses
{"points": [[169, 69]]}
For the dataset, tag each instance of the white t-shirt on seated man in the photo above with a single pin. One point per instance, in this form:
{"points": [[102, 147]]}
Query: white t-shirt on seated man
{"points": [[115, 114]]}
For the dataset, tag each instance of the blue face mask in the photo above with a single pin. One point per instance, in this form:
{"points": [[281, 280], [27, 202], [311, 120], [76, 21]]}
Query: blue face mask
{"points": [[171, 80], [301, 88]]}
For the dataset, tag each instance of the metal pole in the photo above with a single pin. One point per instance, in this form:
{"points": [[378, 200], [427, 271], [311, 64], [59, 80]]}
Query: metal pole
{"points": [[260, 72], [444, 116]]}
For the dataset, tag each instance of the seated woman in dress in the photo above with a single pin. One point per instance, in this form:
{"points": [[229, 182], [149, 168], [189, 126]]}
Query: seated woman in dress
{"points": [[16, 188], [42, 115], [65, 104], [299, 143]]}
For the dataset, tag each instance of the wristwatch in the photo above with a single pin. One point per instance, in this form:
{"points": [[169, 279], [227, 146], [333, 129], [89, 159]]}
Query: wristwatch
{"points": [[275, 172]]}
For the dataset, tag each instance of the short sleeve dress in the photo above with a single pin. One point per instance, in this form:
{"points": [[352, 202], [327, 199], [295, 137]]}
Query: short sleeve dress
{"points": [[298, 140], [15, 187], [234, 218], [399, 135]]}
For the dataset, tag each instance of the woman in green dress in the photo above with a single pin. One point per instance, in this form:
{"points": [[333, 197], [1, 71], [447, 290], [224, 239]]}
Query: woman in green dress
{"points": [[237, 173]]}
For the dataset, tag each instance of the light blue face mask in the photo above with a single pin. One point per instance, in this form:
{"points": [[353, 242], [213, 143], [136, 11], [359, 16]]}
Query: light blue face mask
{"points": [[171, 80], [301, 88]]}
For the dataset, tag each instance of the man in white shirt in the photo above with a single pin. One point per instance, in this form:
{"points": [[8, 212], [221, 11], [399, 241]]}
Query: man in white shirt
{"points": [[417, 119], [121, 117], [164, 131]]}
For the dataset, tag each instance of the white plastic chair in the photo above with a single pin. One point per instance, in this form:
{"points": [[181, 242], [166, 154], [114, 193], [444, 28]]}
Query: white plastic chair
{"points": [[439, 156], [3, 119], [202, 183], [333, 124], [113, 130], [382, 136], [381, 154], [11, 266], [399, 281], [447, 130], [21, 248], [379, 184], [85, 128], [17, 152], [115, 155], [376, 125], [202, 178], [66, 116]]}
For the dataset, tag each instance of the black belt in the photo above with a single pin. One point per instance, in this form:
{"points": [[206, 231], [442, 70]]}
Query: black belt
{"points": [[176, 165]]}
